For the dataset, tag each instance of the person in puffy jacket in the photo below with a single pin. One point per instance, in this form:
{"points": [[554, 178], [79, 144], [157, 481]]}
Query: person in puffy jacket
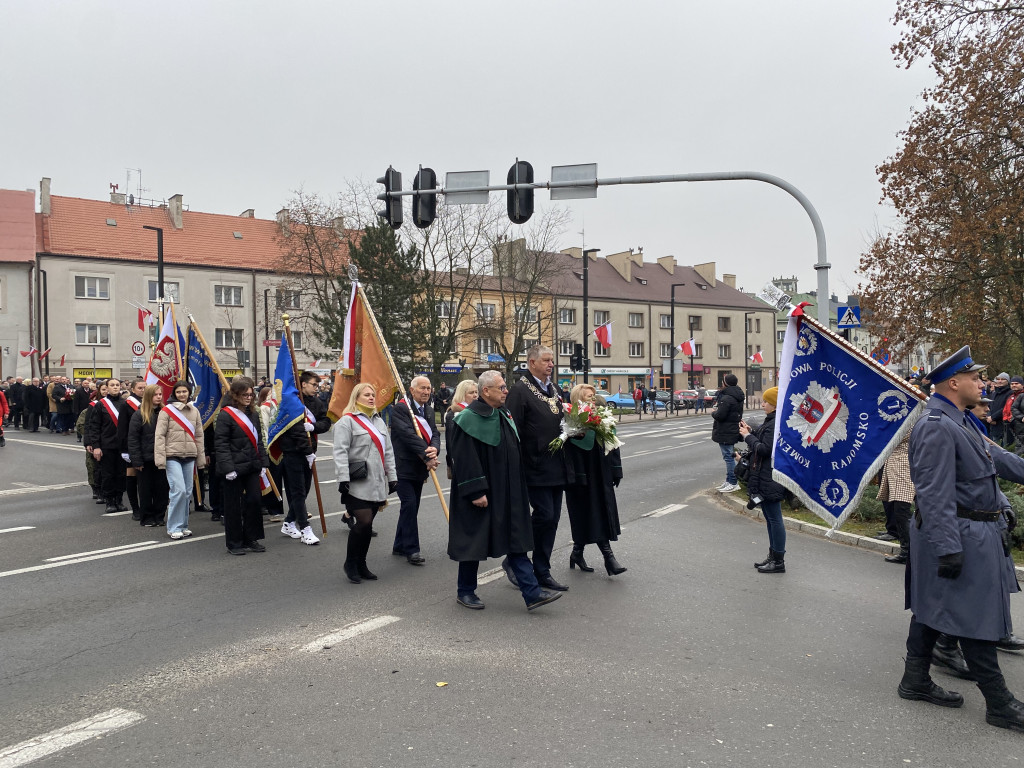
{"points": [[764, 491], [725, 431], [241, 458], [152, 481], [178, 447]]}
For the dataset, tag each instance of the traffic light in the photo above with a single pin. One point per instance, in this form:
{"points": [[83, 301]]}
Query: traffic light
{"points": [[576, 358], [424, 207], [392, 213], [520, 201]]}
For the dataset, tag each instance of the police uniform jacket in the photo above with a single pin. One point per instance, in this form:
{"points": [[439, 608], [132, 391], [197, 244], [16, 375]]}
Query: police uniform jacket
{"points": [[953, 467]]}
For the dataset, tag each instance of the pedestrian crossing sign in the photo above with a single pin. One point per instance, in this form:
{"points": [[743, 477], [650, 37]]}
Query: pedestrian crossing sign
{"points": [[849, 317]]}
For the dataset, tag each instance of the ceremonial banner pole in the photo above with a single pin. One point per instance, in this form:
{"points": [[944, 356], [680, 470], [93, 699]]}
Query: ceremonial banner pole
{"points": [[316, 480], [401, 389]]}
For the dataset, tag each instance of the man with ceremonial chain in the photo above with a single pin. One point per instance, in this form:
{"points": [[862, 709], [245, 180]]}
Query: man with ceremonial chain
{"points": [[416, 450], [536, 408]]}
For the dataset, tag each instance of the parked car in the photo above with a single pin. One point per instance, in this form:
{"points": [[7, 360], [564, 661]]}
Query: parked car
{"points": [[710, 395], [686, 398], [618, 400]]}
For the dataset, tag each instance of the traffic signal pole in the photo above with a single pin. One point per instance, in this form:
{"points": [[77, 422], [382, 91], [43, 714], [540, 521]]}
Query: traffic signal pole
{"points": [[821, 266]]}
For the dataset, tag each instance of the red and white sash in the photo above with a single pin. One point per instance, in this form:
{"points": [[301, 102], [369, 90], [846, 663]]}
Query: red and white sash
{"points": [[428, 433], [181, 421], [464, 404], [243, 421], [372, 431], [111, 410], [310, 417], [133, 402]]}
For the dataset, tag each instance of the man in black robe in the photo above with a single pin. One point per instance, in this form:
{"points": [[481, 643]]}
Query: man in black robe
{"points": [[490, 510]]}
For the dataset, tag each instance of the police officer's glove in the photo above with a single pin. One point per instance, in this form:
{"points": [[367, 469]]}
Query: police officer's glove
{"points": [[231, 476], [309, 427], [392, 487], [950, 566], [310, 459], [1011, 518]]}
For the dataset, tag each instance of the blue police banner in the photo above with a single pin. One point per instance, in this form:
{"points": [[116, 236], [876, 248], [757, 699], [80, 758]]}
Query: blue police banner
{"points": [[209, 385], [287, 405], [840, 414]]}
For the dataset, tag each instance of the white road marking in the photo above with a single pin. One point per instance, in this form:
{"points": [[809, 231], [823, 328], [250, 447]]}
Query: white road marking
{"points": [[68, 736], [667, 509], [78, 448], [653, 450], [19, 528], [346, 633], [38, 488], [117, 514], [139, 545], [488, 576]]}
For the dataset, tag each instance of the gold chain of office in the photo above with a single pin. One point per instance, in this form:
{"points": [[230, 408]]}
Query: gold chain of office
{"points": [[553, 402]]}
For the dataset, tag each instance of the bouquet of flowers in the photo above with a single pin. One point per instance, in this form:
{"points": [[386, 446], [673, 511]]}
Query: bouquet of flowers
{"points": [[588, 417]]}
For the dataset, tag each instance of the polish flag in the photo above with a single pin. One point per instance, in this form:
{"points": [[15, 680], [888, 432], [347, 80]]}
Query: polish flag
{"points": [[31, 351], [146, 319], [45, 353], [688, 347], [757, 357], [62, 360], [604, 334], [316, 363]]}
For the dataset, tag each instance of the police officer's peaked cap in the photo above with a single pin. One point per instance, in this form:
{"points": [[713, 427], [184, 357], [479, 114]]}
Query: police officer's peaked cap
{"points": [[959, 362]]}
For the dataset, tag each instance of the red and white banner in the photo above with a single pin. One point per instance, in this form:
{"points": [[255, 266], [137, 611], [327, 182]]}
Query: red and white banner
{"points": [[31, 351], [146, 319], [604, 334], [757, 357], [348, 351], [688, 347], [163, 368], [43, 355]]}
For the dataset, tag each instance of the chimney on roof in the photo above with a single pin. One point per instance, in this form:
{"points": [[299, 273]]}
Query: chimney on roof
{"points": [[44, 196], [622, 263], [118, 198], [174, 211], [668, 263], [248, 213], [707, 271], [729, 280], [338, 222], [576, 253], [282, 221]]}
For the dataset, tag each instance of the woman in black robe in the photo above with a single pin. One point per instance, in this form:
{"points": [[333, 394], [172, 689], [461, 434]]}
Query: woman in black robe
{"points": [[590, 499]]}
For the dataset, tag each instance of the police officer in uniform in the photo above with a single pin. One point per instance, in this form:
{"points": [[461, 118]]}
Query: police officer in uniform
{"points": [[960, 575]]}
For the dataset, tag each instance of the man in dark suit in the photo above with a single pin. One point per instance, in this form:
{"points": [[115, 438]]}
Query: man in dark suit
{"points": [[416, 450]]}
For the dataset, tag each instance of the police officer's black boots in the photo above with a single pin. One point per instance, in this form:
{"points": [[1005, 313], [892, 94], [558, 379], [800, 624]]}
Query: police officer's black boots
{"points": [[1008, 715], [613, 566], [917, 685], [776, 563], [947, 654]]}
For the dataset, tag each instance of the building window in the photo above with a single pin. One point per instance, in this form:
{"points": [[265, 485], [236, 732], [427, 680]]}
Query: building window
{"points": [[484, 312], [92, 287], [228, 338], [296, 338], [526, 314], [666, 350], [780, 336], [599, 351], [636, 320], [227, 295], [444, 309], [757, 325], [724, 351], [665, 321], [288, 299], [485, 346], [565, 348], [92, 334], [567, 316], [601, 317], [636, 349], [527, 343], [698, 350], [171, 292], [693, 322], [725, 324]]}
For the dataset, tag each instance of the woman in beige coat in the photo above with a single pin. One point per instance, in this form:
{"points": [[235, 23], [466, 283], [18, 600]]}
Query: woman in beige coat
{"points": [[178, 447]]}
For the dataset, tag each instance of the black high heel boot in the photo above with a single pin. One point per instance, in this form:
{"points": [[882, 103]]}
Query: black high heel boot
{"points": [[576, 559], [351, 566], [611, 565]]}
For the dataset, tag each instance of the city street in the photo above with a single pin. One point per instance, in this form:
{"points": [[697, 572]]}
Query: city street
{"points": [[140, 650]]}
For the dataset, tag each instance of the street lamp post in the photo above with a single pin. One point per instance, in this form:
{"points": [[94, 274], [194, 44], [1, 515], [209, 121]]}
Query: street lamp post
{"points": [[266, 328], [672, 336], [746, 357], [586, 311], [159, 269]]}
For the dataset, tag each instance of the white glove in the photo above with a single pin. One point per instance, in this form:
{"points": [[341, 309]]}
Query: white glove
{"points": [[231, 476], [311, 457], [127, 459], [308, 427]]}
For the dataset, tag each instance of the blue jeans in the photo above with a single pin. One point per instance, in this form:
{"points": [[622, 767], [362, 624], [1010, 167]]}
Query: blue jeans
{"points": [[521, 567], [179, 480], [772, 511], [730, 462]]}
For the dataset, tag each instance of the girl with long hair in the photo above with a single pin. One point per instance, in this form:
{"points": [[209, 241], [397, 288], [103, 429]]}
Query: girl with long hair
{"points": [[153, 490], [179, 449]]}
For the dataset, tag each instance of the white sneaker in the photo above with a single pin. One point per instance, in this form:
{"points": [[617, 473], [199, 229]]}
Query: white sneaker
{"points": [[722, 487], [176, 535], [186, 532], [729, 488], [289, 529], [308, 537]]}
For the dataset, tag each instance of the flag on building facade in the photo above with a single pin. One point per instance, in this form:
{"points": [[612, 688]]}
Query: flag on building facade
{"points": [[839, 417], [61, 363], [209, 385], [165, 363], [688, 348], [604, 334], [27, 353], [146, 319], [45, 353], [757, 357], [364, 357], [290, 409]]}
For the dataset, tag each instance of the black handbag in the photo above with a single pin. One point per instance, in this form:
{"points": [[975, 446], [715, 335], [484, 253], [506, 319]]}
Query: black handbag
{"points": [[357, 470], [742, 469]]}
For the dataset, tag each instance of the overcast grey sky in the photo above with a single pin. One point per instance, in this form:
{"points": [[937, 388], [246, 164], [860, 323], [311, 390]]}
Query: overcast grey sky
{"points": [[235, 104]]}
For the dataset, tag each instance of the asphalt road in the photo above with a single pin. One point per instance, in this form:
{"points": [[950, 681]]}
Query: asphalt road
{"points": [[176, 654]]}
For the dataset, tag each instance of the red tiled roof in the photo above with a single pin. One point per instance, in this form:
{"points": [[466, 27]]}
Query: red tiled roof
{"points": [[77, 227], [17, 226]]}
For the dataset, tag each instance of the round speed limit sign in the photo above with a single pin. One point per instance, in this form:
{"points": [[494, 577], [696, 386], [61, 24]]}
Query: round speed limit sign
{"points": [[138, 348]]}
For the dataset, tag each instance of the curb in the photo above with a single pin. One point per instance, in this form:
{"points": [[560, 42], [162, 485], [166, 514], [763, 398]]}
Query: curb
{"points": [[733, 503]]}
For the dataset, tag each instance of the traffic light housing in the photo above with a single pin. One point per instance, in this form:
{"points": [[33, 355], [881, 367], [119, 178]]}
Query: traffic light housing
{"points": [[520, 201], [576, 358], [392, 213], [424, 207]]}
